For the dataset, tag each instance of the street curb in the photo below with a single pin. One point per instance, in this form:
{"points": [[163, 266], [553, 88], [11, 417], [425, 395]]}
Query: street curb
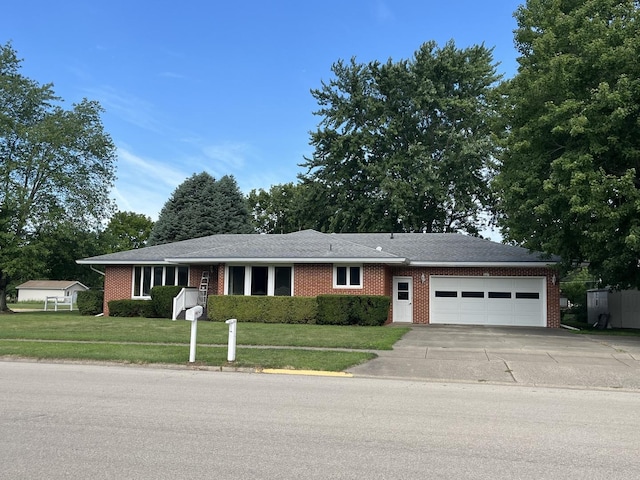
{"points": [[315, 373]]}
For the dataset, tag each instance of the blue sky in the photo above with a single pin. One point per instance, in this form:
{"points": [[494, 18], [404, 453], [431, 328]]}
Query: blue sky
{"points": [[223, 87]]}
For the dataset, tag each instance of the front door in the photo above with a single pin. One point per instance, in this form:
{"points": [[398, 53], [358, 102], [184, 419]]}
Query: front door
{"points": [[402, 300]]}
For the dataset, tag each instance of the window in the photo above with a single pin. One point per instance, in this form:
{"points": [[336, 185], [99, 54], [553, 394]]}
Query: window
{"points": [[147, 277], [472, 295], [347, 276], [446, 293], [259, 280], [528, 295], [236, 281], [499, 294]]}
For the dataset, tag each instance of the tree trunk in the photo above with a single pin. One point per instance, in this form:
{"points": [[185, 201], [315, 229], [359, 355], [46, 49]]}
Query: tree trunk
{"points": [[4, 281]]}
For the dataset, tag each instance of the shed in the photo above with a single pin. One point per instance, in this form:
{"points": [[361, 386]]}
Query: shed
{"points": [[622, 307], [39, 290]]}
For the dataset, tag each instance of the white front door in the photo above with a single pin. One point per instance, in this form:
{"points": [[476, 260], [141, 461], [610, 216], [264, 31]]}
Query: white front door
{"points": [[402, 300]]}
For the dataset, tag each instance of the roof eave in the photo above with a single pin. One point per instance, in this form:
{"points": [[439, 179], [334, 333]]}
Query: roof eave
{"points": [[283, 260], [482, 264]]}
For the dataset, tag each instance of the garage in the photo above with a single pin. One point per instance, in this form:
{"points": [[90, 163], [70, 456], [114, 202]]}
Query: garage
{"points": [[487, 301]]}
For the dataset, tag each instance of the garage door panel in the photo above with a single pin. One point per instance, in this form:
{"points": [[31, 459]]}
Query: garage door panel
{"points": [[487, 301]]}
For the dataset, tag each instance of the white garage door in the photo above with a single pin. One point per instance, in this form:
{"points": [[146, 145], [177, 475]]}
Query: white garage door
{"points": [[487, 301]]}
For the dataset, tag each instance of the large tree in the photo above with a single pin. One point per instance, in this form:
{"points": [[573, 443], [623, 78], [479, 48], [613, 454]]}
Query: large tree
{"points": [[201, 206], [126, 231], [406, 145], [569, 181], [56, 167], [283, 208]]}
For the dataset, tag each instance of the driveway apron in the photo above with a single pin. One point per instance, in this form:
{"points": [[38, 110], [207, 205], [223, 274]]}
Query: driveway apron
{"points": [[510, 355]]}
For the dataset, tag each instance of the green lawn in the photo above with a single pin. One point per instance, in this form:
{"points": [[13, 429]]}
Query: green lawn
{"points": [[67, 335]]}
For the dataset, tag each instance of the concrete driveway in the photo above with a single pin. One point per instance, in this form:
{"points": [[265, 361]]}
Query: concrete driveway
{"points": [[510, 355]]}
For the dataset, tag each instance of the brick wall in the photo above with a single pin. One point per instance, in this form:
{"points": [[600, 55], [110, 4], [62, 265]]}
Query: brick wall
{"points": [[310, 280], [118, 284]]}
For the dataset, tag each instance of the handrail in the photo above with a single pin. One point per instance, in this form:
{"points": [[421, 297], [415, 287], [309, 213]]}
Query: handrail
{"points": [[187, 298]]}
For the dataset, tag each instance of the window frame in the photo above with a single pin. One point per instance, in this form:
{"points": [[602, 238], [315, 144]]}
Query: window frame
{"points": [[348, 274], [248, 278], [149, 274]]}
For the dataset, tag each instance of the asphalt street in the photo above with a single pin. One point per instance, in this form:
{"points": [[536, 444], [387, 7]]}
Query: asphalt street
{"points": [[71, 421]]}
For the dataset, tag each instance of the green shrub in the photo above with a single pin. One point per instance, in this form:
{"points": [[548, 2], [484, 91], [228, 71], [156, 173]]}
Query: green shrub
{"points": [[90, 302], [366, 310], [162, 300], [262, 309], [131, 308]]}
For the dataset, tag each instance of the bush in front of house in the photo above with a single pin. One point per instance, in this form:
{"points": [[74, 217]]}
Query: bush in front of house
{"points": [[262, 309], [131, 308], [162, 300], [89, 302], [365, 310]]}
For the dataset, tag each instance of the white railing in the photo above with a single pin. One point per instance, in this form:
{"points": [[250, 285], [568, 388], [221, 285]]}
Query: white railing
{"points": [[187, 298], [58, 302]]}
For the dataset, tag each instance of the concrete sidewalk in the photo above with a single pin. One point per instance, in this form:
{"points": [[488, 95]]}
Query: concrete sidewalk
{"points": [[510, 355]]}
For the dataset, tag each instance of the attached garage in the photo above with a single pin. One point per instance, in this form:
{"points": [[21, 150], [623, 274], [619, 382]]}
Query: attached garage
{"points": [[487, 301]]}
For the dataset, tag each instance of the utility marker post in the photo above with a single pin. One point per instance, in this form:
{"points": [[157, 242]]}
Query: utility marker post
{"points": [[231, 353]]}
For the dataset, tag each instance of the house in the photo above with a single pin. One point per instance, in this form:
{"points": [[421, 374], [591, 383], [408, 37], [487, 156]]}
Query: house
{"points": [[39, 290], [431, 277]]}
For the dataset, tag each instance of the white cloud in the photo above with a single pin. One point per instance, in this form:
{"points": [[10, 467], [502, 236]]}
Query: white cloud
{"points": [[130, 108], [229, 155], [383, 13]]}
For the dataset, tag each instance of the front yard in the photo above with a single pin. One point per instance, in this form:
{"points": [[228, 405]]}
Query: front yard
{"points": [[67, 335]]}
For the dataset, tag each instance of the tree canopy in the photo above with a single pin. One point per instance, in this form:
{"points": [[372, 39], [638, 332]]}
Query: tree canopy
{"points": [[126, 231], [56, 167], [405, 145], [202, 206], [569, 171]]}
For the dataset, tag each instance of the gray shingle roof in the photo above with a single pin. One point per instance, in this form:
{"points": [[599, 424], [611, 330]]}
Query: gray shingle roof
{"points": [[312, 246]]}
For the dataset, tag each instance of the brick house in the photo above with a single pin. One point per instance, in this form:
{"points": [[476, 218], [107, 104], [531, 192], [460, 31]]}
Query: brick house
{"points": [[431, 278]]}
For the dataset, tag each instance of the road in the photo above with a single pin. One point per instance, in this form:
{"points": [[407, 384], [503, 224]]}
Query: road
{"points": [[65, 421]]}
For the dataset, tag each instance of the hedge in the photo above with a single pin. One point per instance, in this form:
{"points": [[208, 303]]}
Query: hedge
{"points": [[90, 302], [366, 310], [162, 300], [131, 308], [262, 309]]}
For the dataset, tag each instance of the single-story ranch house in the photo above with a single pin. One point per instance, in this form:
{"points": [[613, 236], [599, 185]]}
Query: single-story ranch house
{"points": [[431, 277], [39, 290]]}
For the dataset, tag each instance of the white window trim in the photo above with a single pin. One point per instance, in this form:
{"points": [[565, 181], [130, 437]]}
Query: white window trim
{"points": [[271, 278], [348, 285], [164, 278]]}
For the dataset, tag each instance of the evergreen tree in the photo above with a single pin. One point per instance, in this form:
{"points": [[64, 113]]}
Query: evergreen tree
{"points": [[202, 206]]}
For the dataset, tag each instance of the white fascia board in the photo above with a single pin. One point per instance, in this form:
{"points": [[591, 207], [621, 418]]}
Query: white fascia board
{"points": [[126, 262], [267, 260], [482, 264]]}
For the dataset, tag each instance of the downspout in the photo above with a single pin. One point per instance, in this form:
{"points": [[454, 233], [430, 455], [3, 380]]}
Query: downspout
{"points": [[96, 270]]}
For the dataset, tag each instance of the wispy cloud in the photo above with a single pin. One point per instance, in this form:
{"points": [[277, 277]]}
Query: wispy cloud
{"points": [[129, 107], [228, 155]]}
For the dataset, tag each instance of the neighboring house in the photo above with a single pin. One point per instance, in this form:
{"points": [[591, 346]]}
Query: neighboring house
{"points": [[39, 290], [431, 277]]}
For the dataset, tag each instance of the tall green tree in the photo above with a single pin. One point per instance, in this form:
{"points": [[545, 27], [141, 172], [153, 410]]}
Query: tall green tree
{"points": [[126, 231], [283, 208], [406, 145], [202, 206], [569, 175], [56, 167]]}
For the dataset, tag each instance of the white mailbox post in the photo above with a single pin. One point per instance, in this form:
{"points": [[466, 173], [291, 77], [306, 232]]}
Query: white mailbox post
{"points": [[231, 353], [192, 315]]}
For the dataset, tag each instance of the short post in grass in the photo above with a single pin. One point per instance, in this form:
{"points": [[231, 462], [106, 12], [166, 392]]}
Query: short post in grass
{"points": [[231, 352], [192, 315]]}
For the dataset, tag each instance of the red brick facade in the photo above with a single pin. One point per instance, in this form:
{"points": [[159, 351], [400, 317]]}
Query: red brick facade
{"points": [[310, 280]]}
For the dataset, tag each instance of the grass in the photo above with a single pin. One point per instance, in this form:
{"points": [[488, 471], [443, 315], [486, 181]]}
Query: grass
{"points": [[68, 335]]}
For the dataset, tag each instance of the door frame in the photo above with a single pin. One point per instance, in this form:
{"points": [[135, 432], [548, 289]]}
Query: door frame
{"points": [[408, 317]]}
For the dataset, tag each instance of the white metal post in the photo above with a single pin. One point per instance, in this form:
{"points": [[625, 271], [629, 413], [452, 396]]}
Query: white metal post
{"points": [[192, 347], [231, 353]]}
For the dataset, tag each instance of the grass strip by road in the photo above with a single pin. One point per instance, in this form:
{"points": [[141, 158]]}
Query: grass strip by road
{"points": [[71, 326], [333, 361], [68, 335]]}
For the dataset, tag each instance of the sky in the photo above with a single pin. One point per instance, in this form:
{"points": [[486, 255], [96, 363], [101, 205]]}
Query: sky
{"points": [[224, 86]]}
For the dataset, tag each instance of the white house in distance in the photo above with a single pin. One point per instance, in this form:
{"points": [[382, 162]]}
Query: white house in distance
{"points": [[39, 290]]}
